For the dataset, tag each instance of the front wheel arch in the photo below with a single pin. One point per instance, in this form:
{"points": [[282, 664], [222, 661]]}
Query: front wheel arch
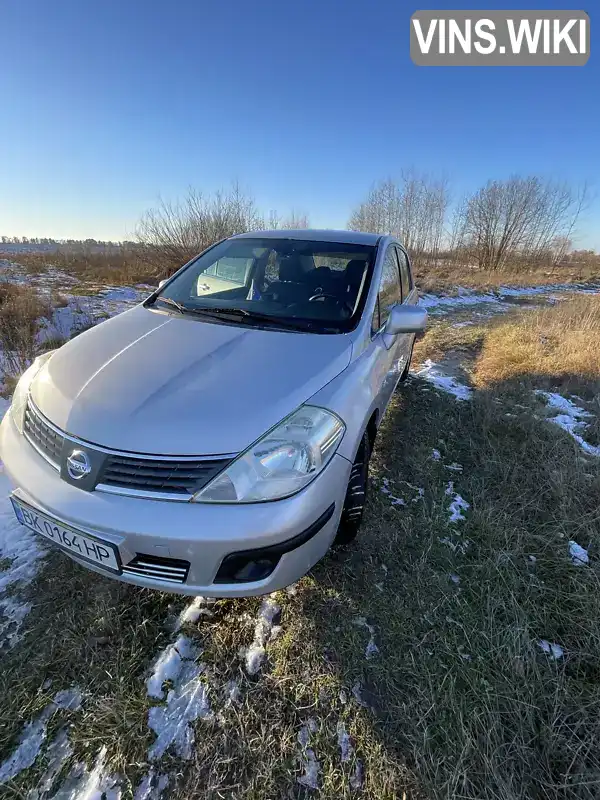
{"points": [[356, 494]]}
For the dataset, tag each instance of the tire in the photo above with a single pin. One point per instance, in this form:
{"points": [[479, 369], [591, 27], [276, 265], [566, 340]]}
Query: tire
{"points": [[356, 495], [406, 369]]}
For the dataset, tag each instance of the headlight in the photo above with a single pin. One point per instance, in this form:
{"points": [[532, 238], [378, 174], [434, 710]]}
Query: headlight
{"points": [[284, 461], [19, 399]]}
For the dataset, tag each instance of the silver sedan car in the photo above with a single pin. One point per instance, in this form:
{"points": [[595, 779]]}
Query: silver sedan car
{"points": [[216, 438]]}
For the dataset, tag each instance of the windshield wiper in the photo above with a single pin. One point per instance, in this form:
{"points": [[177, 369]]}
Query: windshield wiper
{"points": [[175, 303], [242, 314]]}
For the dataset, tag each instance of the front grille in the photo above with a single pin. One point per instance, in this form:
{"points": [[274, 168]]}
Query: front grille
{"points": [[169, 570], [167, 475], [177, 478], [44, 438]]}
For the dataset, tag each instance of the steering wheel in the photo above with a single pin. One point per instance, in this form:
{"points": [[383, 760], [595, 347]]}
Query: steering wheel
{"points": [[327, 296], [323, 296]]}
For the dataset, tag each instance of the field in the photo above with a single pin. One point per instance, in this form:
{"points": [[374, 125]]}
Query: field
{"points": [[452, 652]]}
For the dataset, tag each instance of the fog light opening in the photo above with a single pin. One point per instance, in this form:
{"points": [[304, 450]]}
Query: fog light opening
{"points": [[238, 568], [255, 570]]}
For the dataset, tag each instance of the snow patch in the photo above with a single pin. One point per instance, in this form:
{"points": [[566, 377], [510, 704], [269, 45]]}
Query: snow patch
{"points": [[554, 650], [28, 748], [357, 693], [34, 734], [18, 544], [186, 702], [400, 501], [357, 777], [464, 298], [255, 654], [152, 786], [434, 374], [469, 297], [169, 665], [82, 784], [458, 505], [571, 419], [68, 699], [436, 455], [233, 692], [460, 546], [24, 550], [344, 742], [14, 614], [310, 777], [371, 649], [385, 489], [57, 755], [194, 611], [579, 555], [308, 760]]}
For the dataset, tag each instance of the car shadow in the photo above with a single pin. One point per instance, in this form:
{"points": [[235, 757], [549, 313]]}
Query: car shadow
{"points": [[430, 594]]}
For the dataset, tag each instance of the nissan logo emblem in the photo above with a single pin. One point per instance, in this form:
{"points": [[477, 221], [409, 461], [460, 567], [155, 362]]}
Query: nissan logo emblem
{"points": [[78, 465]]}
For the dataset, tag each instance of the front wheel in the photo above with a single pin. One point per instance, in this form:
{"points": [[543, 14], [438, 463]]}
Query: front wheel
{"points": [[406, 370], [356, 495]]}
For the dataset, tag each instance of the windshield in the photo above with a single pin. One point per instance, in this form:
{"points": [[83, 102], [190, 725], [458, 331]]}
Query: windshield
{"points": [[289, 283]]}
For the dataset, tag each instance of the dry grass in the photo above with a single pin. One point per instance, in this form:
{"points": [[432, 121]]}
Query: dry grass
{"points": [[554, 346], [440, 279], [556, 342], [461, 702], [124, 267], [442, 337], [20, 310]]}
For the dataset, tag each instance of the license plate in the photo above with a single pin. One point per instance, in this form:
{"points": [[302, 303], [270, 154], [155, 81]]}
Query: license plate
{"points": [[81, 545]]}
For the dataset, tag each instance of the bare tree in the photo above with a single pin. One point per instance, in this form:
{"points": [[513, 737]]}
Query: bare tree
{"points": [[173, 233], [413, 209], [523, 220], [295, 221]]}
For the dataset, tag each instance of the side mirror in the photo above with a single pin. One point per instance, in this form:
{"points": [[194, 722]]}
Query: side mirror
{"points": [[405, 319], [162, 283]]}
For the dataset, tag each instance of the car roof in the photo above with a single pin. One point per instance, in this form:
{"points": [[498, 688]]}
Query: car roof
{"points": [[314, 235]]}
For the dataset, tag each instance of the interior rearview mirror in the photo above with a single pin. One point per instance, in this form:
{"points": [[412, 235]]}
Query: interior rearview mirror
{"points": [[405, 319]]}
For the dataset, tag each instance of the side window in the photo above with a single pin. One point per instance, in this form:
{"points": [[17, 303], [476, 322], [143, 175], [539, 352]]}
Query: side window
{"points": [[389, 287], [271, 268], [230, 269], [405, 276]]}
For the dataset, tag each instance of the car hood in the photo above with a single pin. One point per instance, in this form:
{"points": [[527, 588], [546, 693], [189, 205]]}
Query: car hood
{"points": [[148, 382]]}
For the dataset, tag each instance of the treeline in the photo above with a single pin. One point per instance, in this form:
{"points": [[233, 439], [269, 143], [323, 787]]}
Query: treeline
{"points": [[45, 243], [516, 223]]}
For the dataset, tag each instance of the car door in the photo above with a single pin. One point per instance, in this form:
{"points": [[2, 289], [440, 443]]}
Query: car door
{"points": [[391, 355], [409, 297]]}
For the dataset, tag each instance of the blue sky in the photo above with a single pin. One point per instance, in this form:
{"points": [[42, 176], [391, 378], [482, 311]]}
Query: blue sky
{"points": [[107, 106]]}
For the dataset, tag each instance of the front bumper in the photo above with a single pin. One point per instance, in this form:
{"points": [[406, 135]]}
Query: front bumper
{"points": [[202, 534]]}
